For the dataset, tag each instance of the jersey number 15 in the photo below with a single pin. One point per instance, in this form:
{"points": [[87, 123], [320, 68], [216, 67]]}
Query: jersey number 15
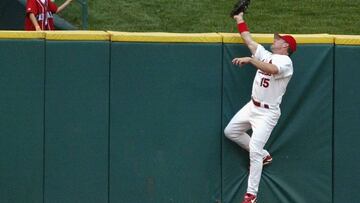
{"points": [[264, 82]]}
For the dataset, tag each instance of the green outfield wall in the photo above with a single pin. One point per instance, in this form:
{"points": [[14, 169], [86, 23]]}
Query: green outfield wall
{"points": [[98, 117], [22, 119], [165, 122], [76, 118], [346, 119]]}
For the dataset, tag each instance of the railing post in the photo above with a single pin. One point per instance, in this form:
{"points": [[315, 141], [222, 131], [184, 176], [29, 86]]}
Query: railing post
{"points": [[85, 13]]}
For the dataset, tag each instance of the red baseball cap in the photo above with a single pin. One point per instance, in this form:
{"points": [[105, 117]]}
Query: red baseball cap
{"points": [[288, 39]]}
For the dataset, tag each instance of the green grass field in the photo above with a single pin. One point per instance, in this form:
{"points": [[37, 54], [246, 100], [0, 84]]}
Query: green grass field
{"points": [[194, 16]]}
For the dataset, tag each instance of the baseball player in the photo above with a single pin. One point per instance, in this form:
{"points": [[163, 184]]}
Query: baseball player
{"points": [[39, 14], [261, 113]]}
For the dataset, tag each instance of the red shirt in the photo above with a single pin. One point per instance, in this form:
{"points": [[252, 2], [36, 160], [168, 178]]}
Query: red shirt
{"points": [[43, 13]]}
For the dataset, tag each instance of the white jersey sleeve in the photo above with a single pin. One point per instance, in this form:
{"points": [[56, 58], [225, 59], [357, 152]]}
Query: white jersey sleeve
{"points": [[261, 53], [282, 62]]}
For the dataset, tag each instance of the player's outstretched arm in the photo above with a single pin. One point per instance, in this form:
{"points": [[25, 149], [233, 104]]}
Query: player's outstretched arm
{"points": [[266, 67], [63, 6], [245, 34]]}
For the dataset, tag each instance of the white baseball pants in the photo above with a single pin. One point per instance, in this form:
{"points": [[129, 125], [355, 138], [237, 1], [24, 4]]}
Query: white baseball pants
{"points": [[262, 121]]}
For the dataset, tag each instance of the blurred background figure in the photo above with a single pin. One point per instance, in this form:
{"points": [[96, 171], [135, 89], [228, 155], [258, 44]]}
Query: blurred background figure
{"points": [[39, 14], [12, 16]]}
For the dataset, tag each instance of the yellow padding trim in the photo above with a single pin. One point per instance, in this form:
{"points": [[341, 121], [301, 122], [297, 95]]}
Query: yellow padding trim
{"points": [[21, 35], [165, 37], [268, 38], [347, 39], [78, 35], [174, 37]]}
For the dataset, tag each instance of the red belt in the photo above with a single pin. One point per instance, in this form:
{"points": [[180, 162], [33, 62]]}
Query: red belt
{"points": [[258, 104]]}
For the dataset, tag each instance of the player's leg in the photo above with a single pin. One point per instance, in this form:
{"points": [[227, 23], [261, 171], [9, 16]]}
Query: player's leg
{"points": [[236, 131], [256, 165], [237, 127], [262, 127]]}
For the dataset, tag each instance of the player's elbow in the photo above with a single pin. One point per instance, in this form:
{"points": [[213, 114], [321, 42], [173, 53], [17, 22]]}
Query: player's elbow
{"points": [[273, 70]]}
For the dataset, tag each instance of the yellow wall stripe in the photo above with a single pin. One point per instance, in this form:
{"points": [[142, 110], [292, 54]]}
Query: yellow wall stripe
{"points": [[174, 37], [21, 35], [347, 39], [78, 35], [268, 38], [165, 37]]}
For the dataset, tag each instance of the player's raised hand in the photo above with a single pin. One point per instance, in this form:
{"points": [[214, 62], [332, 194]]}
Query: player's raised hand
{"points": [[241, 61], [239, 18]]}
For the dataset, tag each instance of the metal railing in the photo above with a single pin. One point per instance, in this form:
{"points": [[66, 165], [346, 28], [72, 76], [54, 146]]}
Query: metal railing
{"points": [[85, 13]]}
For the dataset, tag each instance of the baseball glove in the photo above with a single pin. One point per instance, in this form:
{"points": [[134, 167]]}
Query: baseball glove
{"points": [[240, 6]]}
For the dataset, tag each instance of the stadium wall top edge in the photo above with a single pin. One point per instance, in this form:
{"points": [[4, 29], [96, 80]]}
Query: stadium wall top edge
{"points": [[163, 37]]}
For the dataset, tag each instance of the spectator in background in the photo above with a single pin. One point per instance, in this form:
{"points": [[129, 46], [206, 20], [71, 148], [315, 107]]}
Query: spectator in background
{"points": [[39, 14]]}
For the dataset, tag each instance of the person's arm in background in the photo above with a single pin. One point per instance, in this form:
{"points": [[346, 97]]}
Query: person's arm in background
{"points": [[34, 22], [63, 6]]}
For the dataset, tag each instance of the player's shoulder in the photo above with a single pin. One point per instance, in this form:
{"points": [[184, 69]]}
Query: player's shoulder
{"points": [[261, 52], [281, 57], [260, 48], [282, 61]]}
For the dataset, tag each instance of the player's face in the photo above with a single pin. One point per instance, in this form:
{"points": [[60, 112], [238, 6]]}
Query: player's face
{"points": [[278, 44]]}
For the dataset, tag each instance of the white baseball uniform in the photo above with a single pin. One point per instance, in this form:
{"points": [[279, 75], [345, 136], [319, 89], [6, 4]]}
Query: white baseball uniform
{"points": [[261, 113]]}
